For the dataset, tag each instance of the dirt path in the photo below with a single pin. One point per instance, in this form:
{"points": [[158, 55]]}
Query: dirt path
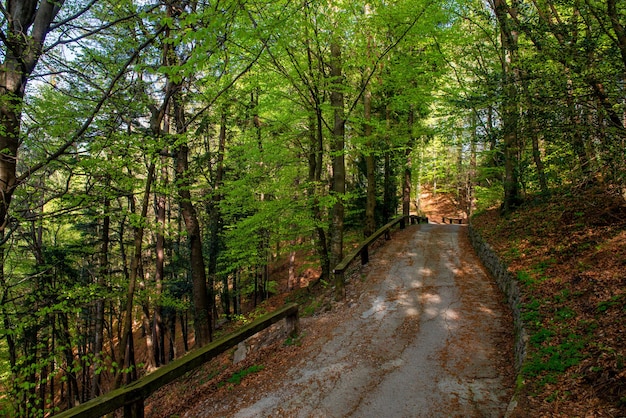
{"points": [[422, 334]]}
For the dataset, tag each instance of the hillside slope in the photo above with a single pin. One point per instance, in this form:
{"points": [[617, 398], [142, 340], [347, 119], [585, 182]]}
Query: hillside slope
{"points": [[570, 258]]}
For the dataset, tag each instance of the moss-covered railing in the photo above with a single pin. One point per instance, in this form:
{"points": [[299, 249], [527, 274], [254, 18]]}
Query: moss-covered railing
{"points": [[362, 249]]}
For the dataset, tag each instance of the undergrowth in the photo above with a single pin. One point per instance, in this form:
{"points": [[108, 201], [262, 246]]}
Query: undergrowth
{"points": [[237, 377]]}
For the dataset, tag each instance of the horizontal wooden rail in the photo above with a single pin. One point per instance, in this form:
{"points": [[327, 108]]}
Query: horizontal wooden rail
{"points": [[415, 219], [132, 396], [362, 249]]}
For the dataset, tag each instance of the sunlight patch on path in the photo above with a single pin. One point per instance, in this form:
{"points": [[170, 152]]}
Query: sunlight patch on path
{"points": [[379, 308]]}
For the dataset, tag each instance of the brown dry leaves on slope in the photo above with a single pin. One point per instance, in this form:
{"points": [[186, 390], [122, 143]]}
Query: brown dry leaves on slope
{"points": [[570, 257]]}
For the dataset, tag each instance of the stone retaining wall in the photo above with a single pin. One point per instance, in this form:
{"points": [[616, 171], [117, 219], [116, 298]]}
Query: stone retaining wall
{"points": [[509, 286]]}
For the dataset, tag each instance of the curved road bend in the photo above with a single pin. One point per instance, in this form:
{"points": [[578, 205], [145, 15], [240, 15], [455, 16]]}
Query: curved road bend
{"points": [[428, 337]]}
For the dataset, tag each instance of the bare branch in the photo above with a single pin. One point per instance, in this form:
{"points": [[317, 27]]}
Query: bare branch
{"points": [[74, 16]]}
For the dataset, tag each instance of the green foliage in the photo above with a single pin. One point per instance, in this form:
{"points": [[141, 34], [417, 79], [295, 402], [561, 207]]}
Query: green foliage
{"points": [[311, 309], [487, 197], [548, 360], [237, 377], [294, 340], [531, 314], [616, 300]]}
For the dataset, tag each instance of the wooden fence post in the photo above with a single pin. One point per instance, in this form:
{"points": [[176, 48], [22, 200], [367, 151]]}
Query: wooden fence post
{"points": [[134, 410], [293, 324], [340, 285], [365, 256]]}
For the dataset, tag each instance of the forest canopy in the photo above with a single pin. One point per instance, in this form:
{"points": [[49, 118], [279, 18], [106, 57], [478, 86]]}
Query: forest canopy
{"points": [[156, 157]]}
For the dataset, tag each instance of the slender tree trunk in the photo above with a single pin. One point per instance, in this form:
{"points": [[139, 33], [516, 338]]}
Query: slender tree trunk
{"points": [[160, 125], [171, 332], [471, 175], [578, 144], [262, 277], [184, 330], [418, 185], [126, 351], [389, 192], [215, 215], [508, 37], [406, 186], [370, 167], [236, 294], [316, 154], [159, 273], [99, 317], [388, 189], [293, 282], [6, 321], [339, 170], [73, 393], [534, 136], [151, 355], [316, 149], [201, 300]]}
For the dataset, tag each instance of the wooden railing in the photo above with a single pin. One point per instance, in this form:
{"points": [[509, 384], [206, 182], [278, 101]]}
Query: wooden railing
{"points": [[132, 397], [362, 249]]}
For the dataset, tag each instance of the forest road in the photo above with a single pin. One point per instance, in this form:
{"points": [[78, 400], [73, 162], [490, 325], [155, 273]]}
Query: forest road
{"points": [[427, 336]]}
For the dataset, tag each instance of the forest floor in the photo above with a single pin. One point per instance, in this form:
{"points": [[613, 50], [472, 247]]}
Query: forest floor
{"points": [[569, 254]]}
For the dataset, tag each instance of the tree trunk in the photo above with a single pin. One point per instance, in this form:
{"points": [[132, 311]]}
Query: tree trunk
{"points": [[126, 351], [21, 54], [370, 167], [578, 144], [171, 328], [388, 188], [215, 215], [534, 136], [316, 149], [510, 79], [151, 355], [73, 394], [406, 186], [293, 281], [201, 301], [159, 273], [99, 314], [338, 189]]}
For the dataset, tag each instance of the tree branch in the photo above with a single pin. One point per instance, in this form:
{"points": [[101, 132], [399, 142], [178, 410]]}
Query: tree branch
{"points": [[387, 50], [225, 89], [81, 131], [74, 16]]}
